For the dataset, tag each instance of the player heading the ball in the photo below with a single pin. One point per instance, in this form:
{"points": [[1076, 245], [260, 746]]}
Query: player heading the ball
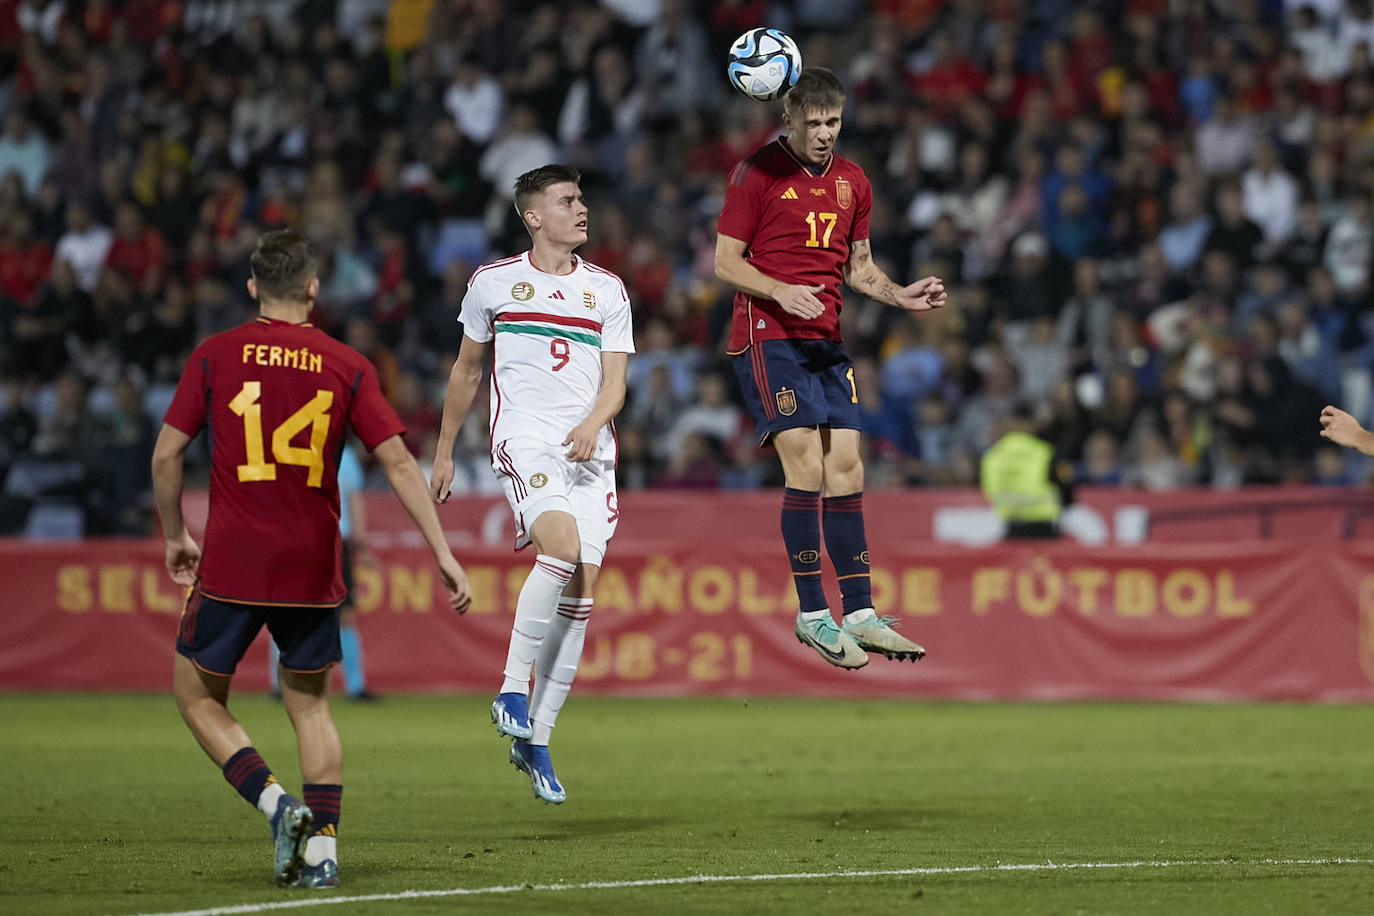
{"points": [[793, 226]]}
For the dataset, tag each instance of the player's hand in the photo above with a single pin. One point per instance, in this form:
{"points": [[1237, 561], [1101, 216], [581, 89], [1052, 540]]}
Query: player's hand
{"points": [[441, 478], [183, 560], [456, 582], [1340, 427], [799, 300], [583, 441], [923, 295]]}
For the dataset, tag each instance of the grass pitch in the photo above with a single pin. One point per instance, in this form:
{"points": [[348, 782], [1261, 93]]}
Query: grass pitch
{"points": [[109, 807]]}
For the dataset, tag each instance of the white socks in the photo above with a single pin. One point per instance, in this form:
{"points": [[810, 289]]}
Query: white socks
{"points": [[319, 847], [557, 665], [533, 610], [267, 801]]}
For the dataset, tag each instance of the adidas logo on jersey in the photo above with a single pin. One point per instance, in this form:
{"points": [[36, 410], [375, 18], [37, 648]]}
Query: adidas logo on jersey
{"points": [[789, 194], [557, 294], [760, 324]]}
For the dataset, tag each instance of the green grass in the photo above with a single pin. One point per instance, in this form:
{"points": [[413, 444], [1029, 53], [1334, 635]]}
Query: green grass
{"points": [[109, 807]]}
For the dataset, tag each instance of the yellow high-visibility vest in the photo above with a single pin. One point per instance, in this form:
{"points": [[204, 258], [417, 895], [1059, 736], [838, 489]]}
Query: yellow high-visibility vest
{"points": [[1015, 475]]}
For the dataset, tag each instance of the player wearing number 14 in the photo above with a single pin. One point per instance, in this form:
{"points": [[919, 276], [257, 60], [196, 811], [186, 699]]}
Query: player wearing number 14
{"points": [[276, 395]]}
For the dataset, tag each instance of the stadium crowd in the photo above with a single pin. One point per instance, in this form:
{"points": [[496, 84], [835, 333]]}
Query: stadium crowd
{"points": [[1153, 216]]}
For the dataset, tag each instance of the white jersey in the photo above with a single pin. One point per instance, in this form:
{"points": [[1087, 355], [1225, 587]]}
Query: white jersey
{"points": [[547, 333]]}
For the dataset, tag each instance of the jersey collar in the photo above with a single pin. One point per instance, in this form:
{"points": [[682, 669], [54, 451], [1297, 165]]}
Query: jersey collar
{"points": [[272, 322], [825, 169], [529, 259]]}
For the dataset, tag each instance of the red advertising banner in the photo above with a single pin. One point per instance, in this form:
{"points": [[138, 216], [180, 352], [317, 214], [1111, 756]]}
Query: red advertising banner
{"points": [[1100, 515], [701, 615]]}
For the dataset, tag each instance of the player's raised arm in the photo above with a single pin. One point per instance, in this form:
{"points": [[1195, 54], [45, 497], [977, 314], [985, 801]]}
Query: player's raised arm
{"points": [[863, 275], [463, 381], [609, 399], [1343, 429], [183, 554], [408, 482], [732, 268]]}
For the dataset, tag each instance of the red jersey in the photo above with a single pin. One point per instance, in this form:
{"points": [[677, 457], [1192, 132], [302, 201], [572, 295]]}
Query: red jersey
{"points": [[798, 228], [276, 397]]}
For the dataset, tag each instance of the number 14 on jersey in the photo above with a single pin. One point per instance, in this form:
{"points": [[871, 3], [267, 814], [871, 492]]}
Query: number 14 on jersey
{"points": [[314, 414]]}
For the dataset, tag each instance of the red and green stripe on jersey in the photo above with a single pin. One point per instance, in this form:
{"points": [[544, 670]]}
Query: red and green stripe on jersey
{"points": [[543, 324]]}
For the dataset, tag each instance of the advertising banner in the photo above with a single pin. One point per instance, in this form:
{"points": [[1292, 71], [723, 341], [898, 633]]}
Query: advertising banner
{"points": [[1251, 620]]}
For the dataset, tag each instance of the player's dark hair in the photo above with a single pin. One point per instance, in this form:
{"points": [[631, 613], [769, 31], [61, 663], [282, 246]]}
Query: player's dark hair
{"points": [[283, 264], [533, 182], [817, 89]]}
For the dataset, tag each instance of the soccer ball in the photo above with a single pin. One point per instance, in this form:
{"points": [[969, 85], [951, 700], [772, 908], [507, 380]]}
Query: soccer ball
{"points": [[764, 63]]}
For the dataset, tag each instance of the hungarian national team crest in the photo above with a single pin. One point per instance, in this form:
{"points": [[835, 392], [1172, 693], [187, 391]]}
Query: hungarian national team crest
{"points": [[522, 291], [538, 480], [589, 298], [844, 194], [787, 402]]}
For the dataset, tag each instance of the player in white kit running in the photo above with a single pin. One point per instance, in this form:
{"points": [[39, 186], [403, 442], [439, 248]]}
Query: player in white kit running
{"points": [[559, 330]]}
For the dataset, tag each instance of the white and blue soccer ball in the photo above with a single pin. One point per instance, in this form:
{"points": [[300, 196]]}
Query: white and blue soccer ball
{"points": [[764, 63]]}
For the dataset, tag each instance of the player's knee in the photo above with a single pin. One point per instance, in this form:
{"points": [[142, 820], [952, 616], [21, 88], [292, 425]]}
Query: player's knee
{"points": [[844, 473], [805, 474], [566, 549]]}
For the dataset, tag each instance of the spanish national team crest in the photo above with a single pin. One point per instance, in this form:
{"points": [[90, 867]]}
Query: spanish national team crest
{"points": [[844, 194], [787, 402], [538, 480], [522, 291], [589, 298]]}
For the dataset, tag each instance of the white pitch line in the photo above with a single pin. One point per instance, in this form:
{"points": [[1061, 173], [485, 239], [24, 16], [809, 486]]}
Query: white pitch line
{"points": [[722, 879]]}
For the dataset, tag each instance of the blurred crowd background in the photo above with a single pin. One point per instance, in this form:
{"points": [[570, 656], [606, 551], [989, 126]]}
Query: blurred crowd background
{"points": [[1153, 216]]}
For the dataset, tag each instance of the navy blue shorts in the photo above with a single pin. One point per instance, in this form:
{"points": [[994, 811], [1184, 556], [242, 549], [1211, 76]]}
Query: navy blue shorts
{"points": [[789, 384], [215, 634]]}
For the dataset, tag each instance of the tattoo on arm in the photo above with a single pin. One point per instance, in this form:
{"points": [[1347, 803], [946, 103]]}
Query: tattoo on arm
{"points": [[868, 278]]}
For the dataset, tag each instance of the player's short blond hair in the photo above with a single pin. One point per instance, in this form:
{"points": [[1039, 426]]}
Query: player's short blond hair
{"points": [[817, 89]]}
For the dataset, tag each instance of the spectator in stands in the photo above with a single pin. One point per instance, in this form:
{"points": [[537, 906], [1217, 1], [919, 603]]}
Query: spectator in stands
{"points": [[1181, 241], [24, 151], [1100, 466], [1233, 233], [713, 418], [693, 465], [38, 332], [1350, 246], [1226, 141], [474, 100], [1270, 198], [84, 245], [137, 250]]}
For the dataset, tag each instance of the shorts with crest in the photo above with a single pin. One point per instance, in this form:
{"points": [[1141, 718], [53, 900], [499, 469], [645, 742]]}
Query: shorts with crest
{"points": [[539, 478], [793, 383]]}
